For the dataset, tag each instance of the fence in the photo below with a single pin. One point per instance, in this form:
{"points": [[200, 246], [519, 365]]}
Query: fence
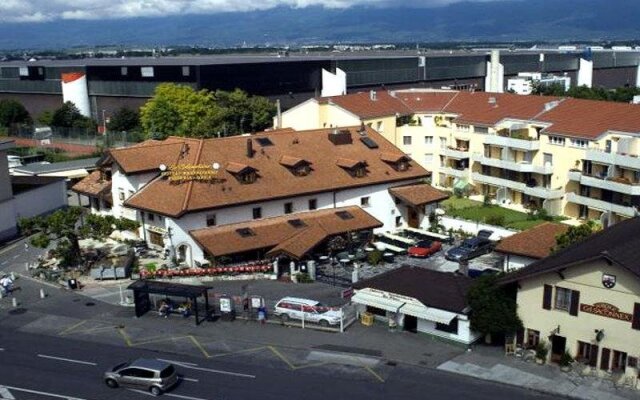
{"points": [[473, 227], [76, 136]]}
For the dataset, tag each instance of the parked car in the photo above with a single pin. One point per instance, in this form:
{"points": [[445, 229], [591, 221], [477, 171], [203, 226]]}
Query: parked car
{"points": [[425, 248], [311, 310], [476, 272], [147, 374], [470, 248]]}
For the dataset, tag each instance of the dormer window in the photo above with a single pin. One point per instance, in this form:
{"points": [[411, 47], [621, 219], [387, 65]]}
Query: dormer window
{"points": [[242, 172], [297, 166], [399, 162], [355, 168]]}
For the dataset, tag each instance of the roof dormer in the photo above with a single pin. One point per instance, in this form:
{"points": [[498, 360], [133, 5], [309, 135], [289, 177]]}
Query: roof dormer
{"points": [[355, 168], [242, 172], [297, 166], [399, 161]]}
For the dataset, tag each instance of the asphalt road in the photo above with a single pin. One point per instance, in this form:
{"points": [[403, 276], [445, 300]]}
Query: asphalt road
{"points": [[42, 367]]}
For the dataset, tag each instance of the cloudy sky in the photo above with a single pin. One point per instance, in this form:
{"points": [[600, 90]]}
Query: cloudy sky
{"points": [[51, 10]]}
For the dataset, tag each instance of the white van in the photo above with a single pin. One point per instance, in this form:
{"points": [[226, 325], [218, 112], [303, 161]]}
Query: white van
{"points": [[311, 310]]}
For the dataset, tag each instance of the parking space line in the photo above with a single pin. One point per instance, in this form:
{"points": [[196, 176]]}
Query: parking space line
{"points": [[231, 353], [72, 327], [178, 362], [374, 373], [16, 256], [60, 396], [5, 263], [199, 346], [66, 359], [282, 357], [182, 378], [218, 371], [141, 392], [183, 397]]}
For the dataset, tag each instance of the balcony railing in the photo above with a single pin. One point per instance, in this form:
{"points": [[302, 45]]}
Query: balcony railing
{"points": [[456, 152], [619, 185], [620, 159], [536, 191], [458, 173], [521, 166], [506, 141], [601, 205]]}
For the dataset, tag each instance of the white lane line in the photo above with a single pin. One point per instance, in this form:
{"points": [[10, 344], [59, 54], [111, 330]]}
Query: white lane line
{"points": [[218, 371], [6, 394], [67, 359], [183, 397], [141, 392], [5, 263], [1, 349], [177, 362], [60, 396], [182, 378], [16, 256]]}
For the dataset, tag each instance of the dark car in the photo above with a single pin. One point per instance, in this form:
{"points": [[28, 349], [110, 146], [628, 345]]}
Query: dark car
{"points": [[470, 248], [474, 273], [425, 248]]}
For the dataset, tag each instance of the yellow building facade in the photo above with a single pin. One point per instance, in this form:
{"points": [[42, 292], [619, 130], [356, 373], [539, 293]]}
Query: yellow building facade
{"points": [[505, 146]]}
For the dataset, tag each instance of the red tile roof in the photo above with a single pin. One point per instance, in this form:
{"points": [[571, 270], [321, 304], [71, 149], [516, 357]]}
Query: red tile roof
{"points": [[419, 194], [274, 180], [363, 106], [536, 242]]}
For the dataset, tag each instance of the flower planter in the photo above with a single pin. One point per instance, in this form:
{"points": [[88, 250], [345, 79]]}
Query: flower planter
{"points": [[539, 361]]}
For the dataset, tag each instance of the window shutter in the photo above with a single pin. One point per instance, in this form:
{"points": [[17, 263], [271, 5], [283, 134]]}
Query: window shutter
{"points": [[575, 302], [546, 298], [604, 360], [635, 323], [593, 356]]}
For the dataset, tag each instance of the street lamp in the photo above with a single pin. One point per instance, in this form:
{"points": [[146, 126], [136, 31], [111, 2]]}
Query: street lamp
{"points": [[104, 123]]}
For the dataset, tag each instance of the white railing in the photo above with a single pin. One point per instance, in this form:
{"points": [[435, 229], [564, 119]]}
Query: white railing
{"points": [[522, 166], [505, 141], [606, 184], [455, 153], [537, 191], [458, 173], [600, 204], [623, 160]]}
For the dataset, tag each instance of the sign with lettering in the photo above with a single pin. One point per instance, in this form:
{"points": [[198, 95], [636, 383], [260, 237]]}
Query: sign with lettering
{"points": [[189, 172], [606, 310]]}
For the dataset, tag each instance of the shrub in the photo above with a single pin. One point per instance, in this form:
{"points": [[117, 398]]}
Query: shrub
{"points": [[497, 220], [566, 359], [374, 257], [151, 268], [303, 277], [542, 350], [486, 201]]}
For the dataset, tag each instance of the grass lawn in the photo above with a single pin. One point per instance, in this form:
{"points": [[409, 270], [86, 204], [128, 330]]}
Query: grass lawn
{"points": [[474, 211]]}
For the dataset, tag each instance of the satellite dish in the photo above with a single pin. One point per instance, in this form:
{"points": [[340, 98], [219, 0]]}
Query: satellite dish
{"points": [[216, 166], [163, 167]]}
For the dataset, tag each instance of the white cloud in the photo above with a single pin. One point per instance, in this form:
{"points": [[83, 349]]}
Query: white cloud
{"points": [[48, 10]]}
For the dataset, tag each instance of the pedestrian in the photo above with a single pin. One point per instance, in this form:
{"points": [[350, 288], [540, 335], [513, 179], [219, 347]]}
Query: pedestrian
{"points": [[26, 246], [164, 309], [7, 284], [245, 307], [262, 314]]}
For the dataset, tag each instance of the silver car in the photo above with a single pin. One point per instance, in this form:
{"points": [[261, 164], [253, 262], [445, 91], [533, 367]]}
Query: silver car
{"points": [[147, 374]]}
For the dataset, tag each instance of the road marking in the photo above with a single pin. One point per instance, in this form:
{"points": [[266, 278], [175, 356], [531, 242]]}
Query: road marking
{"points": [[183, 397], [72, 327], [6, 394], [60, 396], [217, 371], [1, 349], [177, 362], [182, 378], [66, 359], [16, 256], [5, 263], [140, 391]]}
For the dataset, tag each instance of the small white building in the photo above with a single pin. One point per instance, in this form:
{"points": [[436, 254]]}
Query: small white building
{"points": [[526, 247], [419, 300], [525, 82], [177, 186]]}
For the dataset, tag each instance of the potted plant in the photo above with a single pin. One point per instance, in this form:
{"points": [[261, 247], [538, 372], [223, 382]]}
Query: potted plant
{"points": [[541, 352], [565, 361]]}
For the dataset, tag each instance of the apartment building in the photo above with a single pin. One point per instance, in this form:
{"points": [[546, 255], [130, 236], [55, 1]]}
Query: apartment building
{"points": [[568, 156]]}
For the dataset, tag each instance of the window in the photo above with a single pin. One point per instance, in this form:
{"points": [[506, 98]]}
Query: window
{"points": [[443, 143], [480, 129], [585, 351], [360, 171], [398, 221], [257, 212], [428, 140], [344, 215], [380, 126], [364, 201], [449, 328], [463, 128], [288, 208], [558, 141], [533, 337], [406, 140], [23, 71], [248, 177], [428, 159], [121, 194], [579, 143], [150, 217], [619, 361], [211, 219], [186, 71], [563, 299], [313, 204], [245, 232], [124, 71], [146, 72]]}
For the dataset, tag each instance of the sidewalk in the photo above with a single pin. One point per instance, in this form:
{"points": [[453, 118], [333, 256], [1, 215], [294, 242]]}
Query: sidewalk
{"points": [[490, 363]]}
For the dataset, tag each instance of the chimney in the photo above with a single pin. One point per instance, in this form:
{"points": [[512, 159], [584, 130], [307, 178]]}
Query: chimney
{"points": [[373, 95], [279, 115], [249, 148]]}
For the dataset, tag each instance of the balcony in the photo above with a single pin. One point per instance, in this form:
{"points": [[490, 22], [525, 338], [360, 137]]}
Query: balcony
{"points": [[513, 165], [458, 173], [622, 160], [600, 205], [506, 141], [536, 191], [618, 185], [456, 153]]}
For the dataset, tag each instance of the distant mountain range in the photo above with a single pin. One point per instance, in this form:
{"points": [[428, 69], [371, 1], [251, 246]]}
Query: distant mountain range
{"points": [[505, 21]]}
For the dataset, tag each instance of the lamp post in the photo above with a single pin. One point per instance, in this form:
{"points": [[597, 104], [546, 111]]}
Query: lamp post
{"points": [[104, 123]]}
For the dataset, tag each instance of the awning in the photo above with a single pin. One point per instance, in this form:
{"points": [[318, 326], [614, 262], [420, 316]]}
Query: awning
{"points": [[373, 300], [461, 184], [428, 313], [69, 174]]}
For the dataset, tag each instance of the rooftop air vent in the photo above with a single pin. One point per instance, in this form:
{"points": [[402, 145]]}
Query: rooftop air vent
{"points": [[344, 215], [264, 141], [340, 137], [297, 223], [245, 232]]}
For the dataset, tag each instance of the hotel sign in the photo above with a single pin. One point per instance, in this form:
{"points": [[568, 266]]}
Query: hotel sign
{"points": [[189, 172], [606, 310]]}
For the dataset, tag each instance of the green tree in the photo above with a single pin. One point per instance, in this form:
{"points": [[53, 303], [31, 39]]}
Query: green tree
{"points": [[46, 118], [68, 116], [64, 227], [13, 112], [124, 120], [575, 234], [493, 311]]}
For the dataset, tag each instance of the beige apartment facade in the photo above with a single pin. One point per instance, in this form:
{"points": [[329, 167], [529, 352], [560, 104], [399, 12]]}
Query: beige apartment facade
{"points": [[522, 151], [585, 300]]}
